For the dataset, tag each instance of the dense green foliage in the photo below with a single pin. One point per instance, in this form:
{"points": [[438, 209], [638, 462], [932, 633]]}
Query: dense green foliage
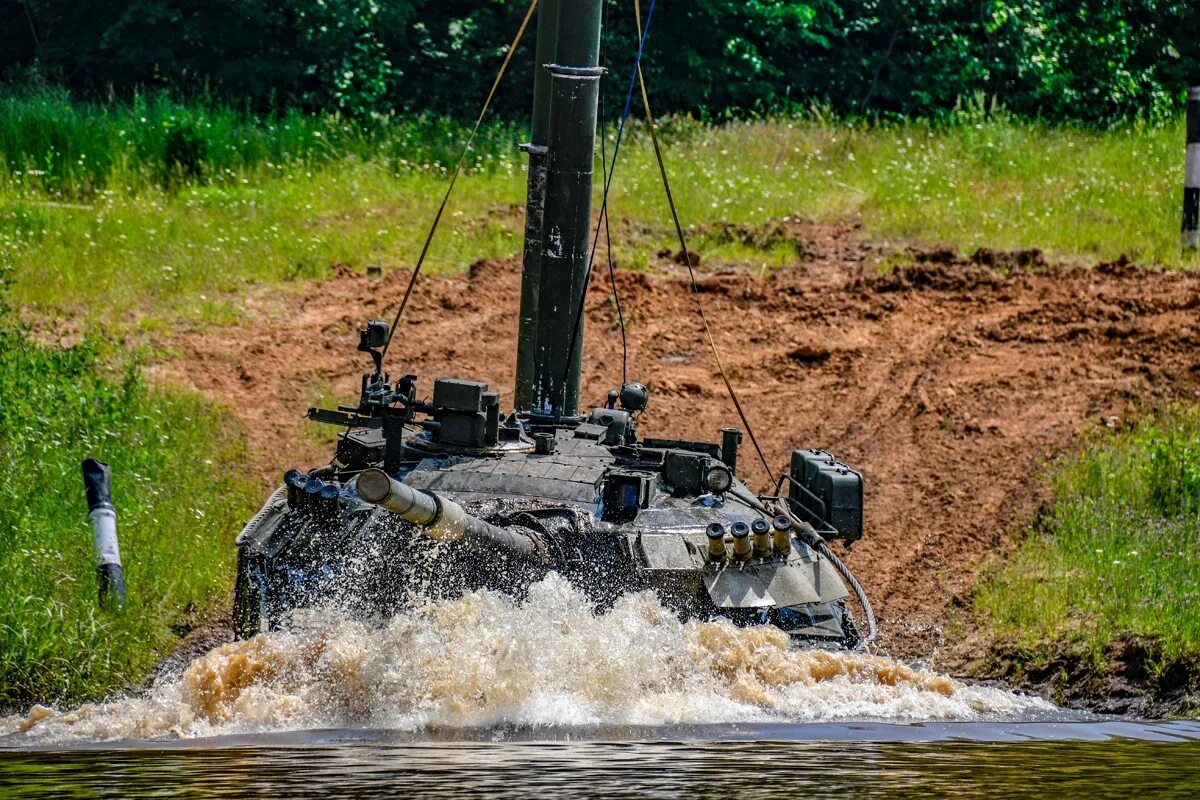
{"points": [[1116, 556], [1077, 59], [177, 512]]}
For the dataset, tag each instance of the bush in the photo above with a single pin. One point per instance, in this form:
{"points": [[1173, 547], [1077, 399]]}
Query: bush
{"points": [[1174, 467], [184, 152], [1061, 59]]}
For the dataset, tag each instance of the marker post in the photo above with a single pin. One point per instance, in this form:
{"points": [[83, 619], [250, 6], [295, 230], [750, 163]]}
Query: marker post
{"points": [[1191, 174], [96, 480]]}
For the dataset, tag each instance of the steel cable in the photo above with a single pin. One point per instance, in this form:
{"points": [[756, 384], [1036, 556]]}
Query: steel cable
{"points": [[587, 278], [807, 534], [612, 273], [687, 258], [859, 592], [457, 171]]}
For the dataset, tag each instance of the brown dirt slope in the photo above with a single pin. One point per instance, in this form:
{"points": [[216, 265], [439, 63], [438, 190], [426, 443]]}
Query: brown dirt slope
{"points": [[949, 382]]}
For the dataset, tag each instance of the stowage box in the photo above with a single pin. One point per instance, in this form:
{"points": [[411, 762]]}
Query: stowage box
{"points": [[832, 492]]}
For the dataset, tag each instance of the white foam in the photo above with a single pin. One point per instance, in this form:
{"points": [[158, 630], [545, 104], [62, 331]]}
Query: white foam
{"points": [[485, 660]]}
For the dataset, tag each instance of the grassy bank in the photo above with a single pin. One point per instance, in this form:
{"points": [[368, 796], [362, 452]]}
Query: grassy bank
{"points": [[173, 206], [178, 510], [1114, 559]]}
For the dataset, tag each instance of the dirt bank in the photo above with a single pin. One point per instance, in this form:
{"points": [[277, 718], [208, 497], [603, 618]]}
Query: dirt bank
{"points": [[949, 381], [1138, 681]]}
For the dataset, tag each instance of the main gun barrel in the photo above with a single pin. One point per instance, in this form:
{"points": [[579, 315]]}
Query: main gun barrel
{"points": [[439, 517]]}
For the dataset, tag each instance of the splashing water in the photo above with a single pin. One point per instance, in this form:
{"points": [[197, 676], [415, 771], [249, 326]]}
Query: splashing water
{"points": [[551, 660]]}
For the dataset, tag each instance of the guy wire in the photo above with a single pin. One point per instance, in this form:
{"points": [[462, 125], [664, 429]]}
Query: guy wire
{"points": [[412, 281], [687, 258], [612, 276]]}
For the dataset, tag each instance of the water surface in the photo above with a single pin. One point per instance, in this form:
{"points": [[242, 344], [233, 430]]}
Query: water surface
{"points": [[1087, 760]]}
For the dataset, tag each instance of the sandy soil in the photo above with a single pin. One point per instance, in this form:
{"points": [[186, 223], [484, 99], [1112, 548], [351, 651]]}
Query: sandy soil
{"points": [[949, 382]]}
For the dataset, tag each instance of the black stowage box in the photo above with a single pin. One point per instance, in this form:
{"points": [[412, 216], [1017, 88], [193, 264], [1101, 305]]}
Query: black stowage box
{"points": [[832, 492]]}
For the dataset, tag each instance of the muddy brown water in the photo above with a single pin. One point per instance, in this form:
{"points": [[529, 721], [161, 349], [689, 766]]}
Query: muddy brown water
{"points": [[486, 696]]}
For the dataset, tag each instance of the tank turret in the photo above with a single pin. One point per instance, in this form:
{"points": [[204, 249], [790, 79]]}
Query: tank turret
{"points": [[454, 493]]}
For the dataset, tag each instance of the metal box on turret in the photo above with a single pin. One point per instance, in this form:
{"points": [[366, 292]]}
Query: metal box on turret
{"points": [[830, 493]]}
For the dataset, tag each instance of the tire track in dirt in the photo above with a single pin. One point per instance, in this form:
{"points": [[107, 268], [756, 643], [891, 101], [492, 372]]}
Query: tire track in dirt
{"points": [[949, 383]]}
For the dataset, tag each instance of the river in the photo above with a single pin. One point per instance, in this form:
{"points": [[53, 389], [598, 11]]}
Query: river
{"points": [[486, 696]]}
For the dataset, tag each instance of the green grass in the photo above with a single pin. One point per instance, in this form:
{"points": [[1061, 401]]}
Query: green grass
{"points": [[103, 209], [1116, 556], [179, 504], [76, 150], [169, 210]]}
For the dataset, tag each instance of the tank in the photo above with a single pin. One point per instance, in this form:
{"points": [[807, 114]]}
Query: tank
{"points": [[434, 490]]}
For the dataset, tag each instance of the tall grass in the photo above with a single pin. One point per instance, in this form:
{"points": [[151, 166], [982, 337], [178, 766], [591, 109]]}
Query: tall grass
{"points": [[1117, 554], [178, 502], [973, 181], [174, 206], [74, 150]]}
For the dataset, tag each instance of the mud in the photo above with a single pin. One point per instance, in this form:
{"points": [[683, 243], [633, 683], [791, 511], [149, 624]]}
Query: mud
{"points": [[1140, 680], [951, 381]]}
